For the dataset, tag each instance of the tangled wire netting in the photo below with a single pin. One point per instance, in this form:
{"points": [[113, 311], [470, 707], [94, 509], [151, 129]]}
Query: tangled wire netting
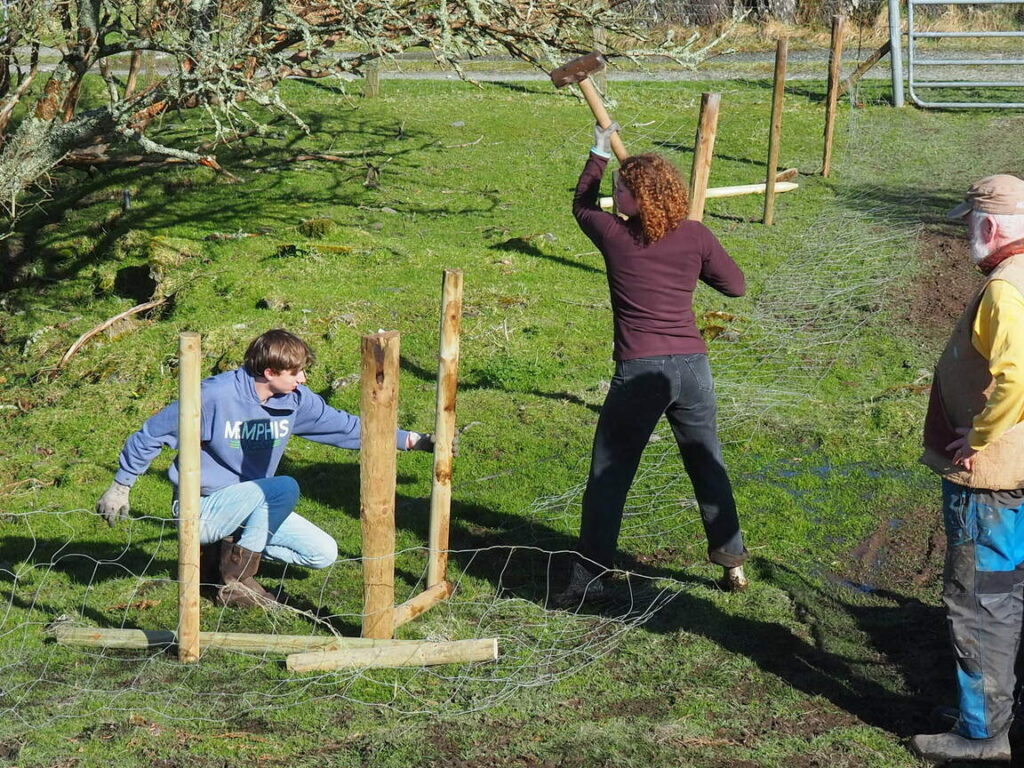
{"points": [[769, 363]]}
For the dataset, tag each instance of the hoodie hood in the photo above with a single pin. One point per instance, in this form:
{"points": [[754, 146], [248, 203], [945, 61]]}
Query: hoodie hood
{"points": [[245, 386]]}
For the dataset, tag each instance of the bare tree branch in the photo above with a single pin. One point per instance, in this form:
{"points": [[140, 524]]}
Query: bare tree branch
{"points": [[221, 55]]}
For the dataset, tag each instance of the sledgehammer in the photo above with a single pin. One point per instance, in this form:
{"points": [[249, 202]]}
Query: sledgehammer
{"points": [[579, 71]]}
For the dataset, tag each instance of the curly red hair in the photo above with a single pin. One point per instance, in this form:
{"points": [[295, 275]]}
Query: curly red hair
{"points": [[659, 191]]}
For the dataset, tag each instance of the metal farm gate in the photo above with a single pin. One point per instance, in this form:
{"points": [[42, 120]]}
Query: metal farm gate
{"points": [[989, 70]]}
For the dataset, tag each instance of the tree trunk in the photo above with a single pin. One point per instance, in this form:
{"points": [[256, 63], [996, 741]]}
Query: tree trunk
{"points": [[38, 145], [42, 139]]}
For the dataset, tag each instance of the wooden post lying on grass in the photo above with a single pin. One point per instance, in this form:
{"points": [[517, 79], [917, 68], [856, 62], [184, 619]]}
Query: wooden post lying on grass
{"points": [[835, 58], [774, 133], [188, 496], [378, 411], [713, 193], [142, 639], [418, 655], [444, 426], [703, 151], [751, 189], [305, 652]]}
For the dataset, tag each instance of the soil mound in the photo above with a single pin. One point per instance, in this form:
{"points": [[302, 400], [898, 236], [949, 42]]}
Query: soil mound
{"points": [[938, 293]]}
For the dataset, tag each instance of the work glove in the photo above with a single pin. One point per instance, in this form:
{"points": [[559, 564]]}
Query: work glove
{"points": [[113, 504], [418, 442], [603, 139]]}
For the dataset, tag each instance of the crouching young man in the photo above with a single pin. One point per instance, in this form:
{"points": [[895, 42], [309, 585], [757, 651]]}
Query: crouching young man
{"points": [[248, 415]]}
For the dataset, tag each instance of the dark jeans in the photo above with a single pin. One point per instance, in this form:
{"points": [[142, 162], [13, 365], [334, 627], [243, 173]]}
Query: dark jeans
{"points": [[681, 388]]}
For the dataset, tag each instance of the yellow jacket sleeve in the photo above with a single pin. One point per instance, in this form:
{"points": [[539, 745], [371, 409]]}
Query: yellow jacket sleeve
{"points": [[998, 335]]}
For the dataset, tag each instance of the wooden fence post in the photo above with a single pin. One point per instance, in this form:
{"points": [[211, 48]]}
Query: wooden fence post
{"points": [[835, 58], [444, 425], [188, 496], [371, 88], [703, 151], [781, 50], [379, 419]]}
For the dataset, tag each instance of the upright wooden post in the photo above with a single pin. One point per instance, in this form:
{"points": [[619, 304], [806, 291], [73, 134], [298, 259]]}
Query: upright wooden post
{"points": [[444, 425], [188, 496], [703, 151], [378, 411], [781, 50], [371, 88], [835, 58]]}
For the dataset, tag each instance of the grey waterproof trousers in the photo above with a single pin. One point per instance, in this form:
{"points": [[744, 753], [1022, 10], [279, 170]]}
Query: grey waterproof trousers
{"points": [[983, 589]]}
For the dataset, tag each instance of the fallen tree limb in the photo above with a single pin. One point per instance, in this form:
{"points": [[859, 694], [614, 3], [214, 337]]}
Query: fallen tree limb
{"points": [[88, 160], [319, 156], [207, 146], [80, 342], [467, 144]]}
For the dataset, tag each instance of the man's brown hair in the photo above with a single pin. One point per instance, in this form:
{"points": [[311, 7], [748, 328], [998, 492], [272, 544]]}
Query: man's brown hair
{"points": [[659, 191], [277, 350]]}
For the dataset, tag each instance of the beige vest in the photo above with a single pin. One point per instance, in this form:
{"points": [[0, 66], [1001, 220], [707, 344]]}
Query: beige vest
{"points": [[965, 384]]}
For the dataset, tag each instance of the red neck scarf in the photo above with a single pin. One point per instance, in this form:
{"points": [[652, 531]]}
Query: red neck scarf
{"points": [[997, 257]]}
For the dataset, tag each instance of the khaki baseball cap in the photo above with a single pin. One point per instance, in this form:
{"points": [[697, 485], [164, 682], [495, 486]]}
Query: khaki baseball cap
{"points": [[1001, 193]]}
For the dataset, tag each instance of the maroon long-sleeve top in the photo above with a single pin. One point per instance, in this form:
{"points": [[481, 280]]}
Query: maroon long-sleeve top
{"points": [[652, 285]]}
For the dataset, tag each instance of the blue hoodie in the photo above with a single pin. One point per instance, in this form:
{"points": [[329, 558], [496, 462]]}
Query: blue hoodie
{"points": [[241, 438]]}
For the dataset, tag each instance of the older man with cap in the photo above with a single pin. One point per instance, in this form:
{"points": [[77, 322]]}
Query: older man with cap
{"points": [[974, 438]]}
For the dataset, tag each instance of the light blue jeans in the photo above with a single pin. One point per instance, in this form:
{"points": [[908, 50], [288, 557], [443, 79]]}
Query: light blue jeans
{"points": [[261, 512]]}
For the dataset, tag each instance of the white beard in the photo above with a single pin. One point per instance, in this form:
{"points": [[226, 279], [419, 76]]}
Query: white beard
{"points": [[979, 251]]}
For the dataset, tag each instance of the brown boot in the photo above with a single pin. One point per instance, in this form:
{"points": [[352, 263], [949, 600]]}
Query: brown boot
{"points": [[209, 565], [237, 568]]}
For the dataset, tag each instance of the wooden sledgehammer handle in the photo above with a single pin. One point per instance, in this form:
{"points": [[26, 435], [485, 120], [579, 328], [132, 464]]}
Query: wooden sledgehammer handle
{"points": [[601, 115]]}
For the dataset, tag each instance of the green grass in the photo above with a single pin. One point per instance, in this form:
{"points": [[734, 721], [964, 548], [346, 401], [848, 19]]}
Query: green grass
{"points": [[821, 439]]}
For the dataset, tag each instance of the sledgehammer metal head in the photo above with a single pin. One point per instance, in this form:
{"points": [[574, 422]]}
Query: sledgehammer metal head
{"points": [[578, 70]]}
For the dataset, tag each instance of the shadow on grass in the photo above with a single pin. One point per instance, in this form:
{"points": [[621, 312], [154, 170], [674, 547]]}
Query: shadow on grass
{"points": [[94, 563], [526, 248], [866, 680], [805, 89], [910, 204], [478, 379], [874, 658], [86, 206]]}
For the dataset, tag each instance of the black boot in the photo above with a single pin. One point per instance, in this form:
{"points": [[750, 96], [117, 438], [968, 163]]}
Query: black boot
{"points": [[209, 565], [583, 587]]}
